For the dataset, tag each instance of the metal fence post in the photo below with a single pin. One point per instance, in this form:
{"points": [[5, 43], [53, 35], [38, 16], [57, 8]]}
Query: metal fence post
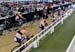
{"points": [[52, 29]]}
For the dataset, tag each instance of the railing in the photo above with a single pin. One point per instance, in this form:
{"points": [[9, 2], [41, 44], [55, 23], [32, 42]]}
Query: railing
{"points": [[34, 41]]}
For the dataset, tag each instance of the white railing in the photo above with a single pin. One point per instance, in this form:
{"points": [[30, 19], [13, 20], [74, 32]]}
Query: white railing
{"points": [[71, 47], [34, 41]]}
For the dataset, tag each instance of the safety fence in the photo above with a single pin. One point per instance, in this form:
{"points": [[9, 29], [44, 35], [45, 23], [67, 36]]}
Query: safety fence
{"points": [[35, 40]]}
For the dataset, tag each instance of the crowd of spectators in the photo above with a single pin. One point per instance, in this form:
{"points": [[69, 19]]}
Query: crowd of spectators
{"points": [[21, 35]]}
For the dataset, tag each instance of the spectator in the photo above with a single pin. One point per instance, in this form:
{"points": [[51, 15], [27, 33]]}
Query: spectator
{"points": [[36, 17], [45, 16], [53, 17], [21, 36], [49, 5], [23, 31], [19, 18], [43, 24]]}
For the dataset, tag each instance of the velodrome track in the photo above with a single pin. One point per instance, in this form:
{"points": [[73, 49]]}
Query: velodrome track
{"points": [[60, 39]]}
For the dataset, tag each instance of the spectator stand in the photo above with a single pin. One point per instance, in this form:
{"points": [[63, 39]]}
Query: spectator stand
{"points": [[29, 16]]}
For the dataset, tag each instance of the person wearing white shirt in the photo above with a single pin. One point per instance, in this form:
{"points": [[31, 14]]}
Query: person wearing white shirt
{"points": [[43, 24], [19, 38], [19, 18]]}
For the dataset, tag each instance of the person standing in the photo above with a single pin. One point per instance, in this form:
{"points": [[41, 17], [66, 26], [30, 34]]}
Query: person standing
{"points": [[43, 24], [21, 36], [19, 18]]}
